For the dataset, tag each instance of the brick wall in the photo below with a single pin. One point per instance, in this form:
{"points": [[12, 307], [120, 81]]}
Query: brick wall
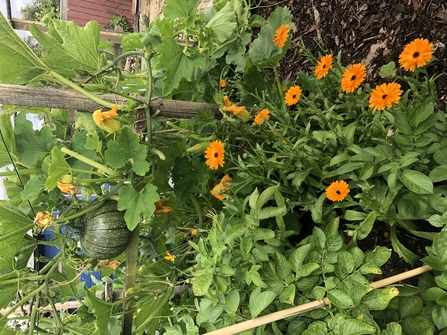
{"points": [[82, 11]]}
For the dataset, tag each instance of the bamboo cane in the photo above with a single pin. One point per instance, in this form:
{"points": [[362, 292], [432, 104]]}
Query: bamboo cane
{"points": [[240, 327]]}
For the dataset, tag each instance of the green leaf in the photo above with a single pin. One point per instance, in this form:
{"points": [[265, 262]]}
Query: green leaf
{"points": [[366, 226], [439, 315], [102, 310], [392, 328], [388, 70], [306, 269], [233, 300], [288, 295], [440, 245], [223, 23], [401, 250], [32, 145], [151, 309], [410, 306], [421, 112], [298, 256], [345, 264], [378, 299], [416, 182], [58, 167], [260, 301], [356, 327], [412, 206], [265, 196], [69, 47], [438, 174], [33, 187], [270, 212], [187, 176], [178, 9], [127, 149], [201, 284], [79, 144], [340, 298], [177, 64], [416, 324], [8, 147], [18, 64], [282, 266], [137, 204], [262, 51], [132, 42]]}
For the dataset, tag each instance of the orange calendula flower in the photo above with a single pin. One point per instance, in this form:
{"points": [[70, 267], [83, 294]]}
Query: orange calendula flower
{"points": [[281, 34], [170, 257], [193, 231], [66, 188], [106, 120], [337, 190], [214, 155], [262, 116], [416, 53], [160, 208], [323, 66], [217, 190], [223, 83], [353, 77], [293, 95], [43, 219], [384, 96]]}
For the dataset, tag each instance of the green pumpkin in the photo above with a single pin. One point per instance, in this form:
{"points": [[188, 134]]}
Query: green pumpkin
{"points": [[104, 233]]}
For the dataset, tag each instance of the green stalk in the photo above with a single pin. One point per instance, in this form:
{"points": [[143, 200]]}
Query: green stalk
{"points": [[34, 315], [24, 300], [117, 59], [62, 80], [198, 209], [99, 166], [131, 275]]}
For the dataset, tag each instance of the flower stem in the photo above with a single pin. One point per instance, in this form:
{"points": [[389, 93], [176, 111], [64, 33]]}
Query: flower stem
{"points": [[62, 80], [99, 166]]}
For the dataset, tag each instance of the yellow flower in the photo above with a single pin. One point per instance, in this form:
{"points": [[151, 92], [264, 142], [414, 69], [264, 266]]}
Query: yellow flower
{"points": [[337, 190], [193, 231], [223, 83], [159, 208], [170, 257], [219, 188], [66, 188], [281, 35], [353, 77], [384, 96], [416, 53], [262, 116], [214, 155], [293, 95], [106, 121], [43, 219], [323, 66]]}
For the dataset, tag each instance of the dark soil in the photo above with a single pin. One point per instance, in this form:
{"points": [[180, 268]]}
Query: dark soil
{"points": [[374, 33]]}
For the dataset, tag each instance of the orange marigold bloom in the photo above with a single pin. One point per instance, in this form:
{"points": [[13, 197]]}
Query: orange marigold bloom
{"points": [[214, 155], [337, 190], [262, 116], [293, 95], [323, 66], [43, 219], [384, 96], [231, 108], [223, 82], [353, 77], [281, 35], [416, 53], [106, 121], [66, 188], [160, 208], [219, 188]]}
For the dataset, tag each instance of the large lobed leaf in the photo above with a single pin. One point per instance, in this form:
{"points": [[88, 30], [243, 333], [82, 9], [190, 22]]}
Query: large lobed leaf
{"points": [[69, 47], [18, 64]]}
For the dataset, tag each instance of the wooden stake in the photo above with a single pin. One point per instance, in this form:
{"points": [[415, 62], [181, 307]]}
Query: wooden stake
{"points": [[240, 327]]}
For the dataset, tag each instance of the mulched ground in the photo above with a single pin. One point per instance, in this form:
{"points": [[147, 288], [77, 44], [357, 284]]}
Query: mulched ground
{"points": [[371, 32]]}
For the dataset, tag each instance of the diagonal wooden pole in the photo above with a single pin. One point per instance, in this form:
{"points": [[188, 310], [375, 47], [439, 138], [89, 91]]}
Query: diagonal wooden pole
{"points": [[240, 327]]}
